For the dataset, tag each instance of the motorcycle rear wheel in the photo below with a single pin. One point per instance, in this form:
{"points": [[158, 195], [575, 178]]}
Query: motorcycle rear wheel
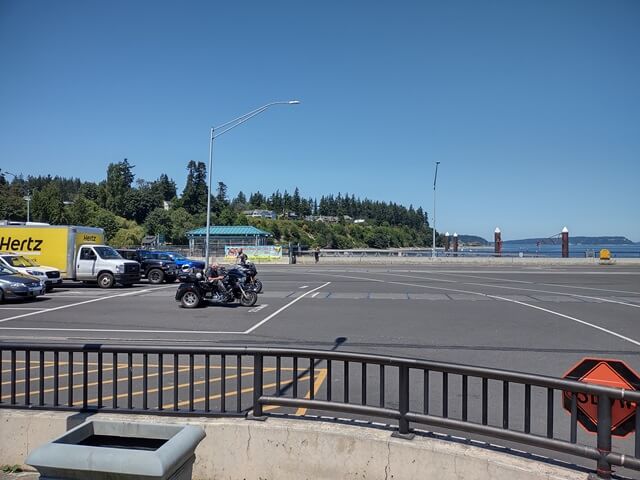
{"points": [[249, 299]]}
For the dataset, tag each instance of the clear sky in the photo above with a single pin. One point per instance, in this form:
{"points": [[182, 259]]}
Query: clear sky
{"points": [[532, 107]]}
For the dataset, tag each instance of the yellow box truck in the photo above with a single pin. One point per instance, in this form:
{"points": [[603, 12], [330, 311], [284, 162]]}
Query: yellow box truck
{"points": [[78, 252]]}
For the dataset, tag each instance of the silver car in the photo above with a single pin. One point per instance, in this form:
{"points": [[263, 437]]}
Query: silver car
{"points": [[18, 285]]}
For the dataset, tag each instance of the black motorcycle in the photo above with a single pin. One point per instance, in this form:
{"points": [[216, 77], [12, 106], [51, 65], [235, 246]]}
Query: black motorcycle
{"points": [[252, 281], [194, 289]]}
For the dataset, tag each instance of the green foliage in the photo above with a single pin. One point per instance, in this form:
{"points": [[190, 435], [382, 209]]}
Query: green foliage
{"points": [[181, 223], [128, 237], [48, 206], [158, 223], [119, 179], [126, 211], [194, 196], [11, 468]]}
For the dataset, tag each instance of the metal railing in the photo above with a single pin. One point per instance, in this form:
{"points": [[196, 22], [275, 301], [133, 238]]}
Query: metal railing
{"points": [[517, 407]]}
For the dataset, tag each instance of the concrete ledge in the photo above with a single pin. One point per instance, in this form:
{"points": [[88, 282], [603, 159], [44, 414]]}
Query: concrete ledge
{"points": [[290, 449]]}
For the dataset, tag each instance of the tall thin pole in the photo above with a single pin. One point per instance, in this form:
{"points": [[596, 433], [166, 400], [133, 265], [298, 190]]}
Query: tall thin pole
{"points": [[435, 179], [221, 129], [206, 253]]}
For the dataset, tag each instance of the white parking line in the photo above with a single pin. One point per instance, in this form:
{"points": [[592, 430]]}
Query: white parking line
{"points": [[127, 294], [258, 308], [305, 286], [314, 295], [118, 330], [21, 308], [577, 320], [262, 322]]}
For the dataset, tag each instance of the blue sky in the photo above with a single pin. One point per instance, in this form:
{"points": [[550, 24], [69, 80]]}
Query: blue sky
{"points": [[532, 107]]}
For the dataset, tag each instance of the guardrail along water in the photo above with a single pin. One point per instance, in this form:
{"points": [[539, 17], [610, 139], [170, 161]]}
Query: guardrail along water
{"points": [[526, 409]]}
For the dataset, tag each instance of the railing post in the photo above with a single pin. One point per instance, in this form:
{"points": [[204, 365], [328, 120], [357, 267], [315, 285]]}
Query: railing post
{"points": [[604, 436], [403, 401], [257, 387]]}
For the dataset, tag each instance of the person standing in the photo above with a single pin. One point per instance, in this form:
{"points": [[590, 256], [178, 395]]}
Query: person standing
{"points": [[316, 254], [242, 257]]}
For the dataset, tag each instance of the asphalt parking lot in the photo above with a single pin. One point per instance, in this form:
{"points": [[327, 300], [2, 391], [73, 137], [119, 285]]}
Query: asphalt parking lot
{"points": [[533, 319]]}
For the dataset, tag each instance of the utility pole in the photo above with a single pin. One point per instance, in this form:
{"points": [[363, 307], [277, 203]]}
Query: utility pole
{"points": [[435, 179]]}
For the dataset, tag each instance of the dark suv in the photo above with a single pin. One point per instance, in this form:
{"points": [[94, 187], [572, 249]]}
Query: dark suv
{"points": [[154, 266]]}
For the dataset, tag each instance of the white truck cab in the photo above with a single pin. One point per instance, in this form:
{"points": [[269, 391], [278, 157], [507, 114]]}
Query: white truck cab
{"points": [[103, 264]]}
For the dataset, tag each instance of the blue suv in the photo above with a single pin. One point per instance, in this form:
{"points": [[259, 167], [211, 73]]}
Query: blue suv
{"points": [[180, 260]]}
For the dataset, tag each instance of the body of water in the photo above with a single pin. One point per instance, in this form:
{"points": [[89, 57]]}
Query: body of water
{"points": [[575, 250]]}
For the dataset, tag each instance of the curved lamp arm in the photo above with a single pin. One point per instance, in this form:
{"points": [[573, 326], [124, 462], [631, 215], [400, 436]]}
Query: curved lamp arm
{"points": [[247, 116]]}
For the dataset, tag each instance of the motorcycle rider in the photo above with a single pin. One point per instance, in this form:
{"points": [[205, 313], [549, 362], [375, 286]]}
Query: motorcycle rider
{"points": [[215, 275]]}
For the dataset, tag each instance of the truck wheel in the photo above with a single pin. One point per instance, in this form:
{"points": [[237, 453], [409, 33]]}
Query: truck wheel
{"points": [[190, 300], [155, 276], [1, 296], [106, 280]]}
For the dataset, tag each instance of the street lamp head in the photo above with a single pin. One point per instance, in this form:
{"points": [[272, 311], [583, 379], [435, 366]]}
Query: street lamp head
{"points": [[294, 102]]}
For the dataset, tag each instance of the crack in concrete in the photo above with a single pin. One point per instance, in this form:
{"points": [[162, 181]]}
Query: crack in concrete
{"points": [[248, 440], [387, 467]]}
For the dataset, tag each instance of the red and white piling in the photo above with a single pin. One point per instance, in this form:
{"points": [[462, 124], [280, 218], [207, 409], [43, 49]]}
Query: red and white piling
{"points": [[497, 242]]}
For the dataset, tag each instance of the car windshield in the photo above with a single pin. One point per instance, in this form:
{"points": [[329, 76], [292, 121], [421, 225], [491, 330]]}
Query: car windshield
{"points": [[7, 271], [19, 261], [107, 253]]}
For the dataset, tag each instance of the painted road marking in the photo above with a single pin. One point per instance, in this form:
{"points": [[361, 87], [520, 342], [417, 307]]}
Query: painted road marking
{"points": [[114, 330], [555, 293], [315, 294], [127, 294], [305, 286], [319, 378], [545, 284], [577, 320], [257, 309], [524, 289], [259, 324], [22, 308]]}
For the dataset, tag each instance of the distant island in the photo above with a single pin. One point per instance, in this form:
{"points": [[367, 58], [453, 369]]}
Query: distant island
{"points": [[573, 240], [472, 240]]}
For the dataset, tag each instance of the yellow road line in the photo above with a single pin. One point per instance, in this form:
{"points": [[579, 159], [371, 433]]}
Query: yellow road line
{"points": [[318, 384]]}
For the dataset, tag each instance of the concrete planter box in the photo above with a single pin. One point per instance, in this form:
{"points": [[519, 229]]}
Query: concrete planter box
{"points": [[119, 450]]}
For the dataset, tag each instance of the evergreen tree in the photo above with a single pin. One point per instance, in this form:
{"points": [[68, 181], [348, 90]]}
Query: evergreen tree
{"points": [[119, 179], [194, 196]]}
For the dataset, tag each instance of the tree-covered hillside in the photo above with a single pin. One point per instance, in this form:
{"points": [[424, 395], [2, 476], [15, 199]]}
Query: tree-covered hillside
{"points": [[129, 208]]}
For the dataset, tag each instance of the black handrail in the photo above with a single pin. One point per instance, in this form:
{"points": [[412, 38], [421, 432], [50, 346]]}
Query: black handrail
{"points": [[56, 367]]}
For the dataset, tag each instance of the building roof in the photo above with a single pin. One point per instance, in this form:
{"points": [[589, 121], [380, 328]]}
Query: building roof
{"points": [[235, 230]]}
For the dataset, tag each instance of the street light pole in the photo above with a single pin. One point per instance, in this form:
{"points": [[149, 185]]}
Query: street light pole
{"points": [[435, 178], [215, 133], [27, 198]]}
